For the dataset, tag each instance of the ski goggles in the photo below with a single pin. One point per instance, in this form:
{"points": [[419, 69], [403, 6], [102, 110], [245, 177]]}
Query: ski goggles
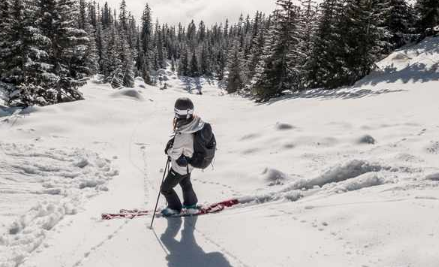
{"points": [[183, 114]]}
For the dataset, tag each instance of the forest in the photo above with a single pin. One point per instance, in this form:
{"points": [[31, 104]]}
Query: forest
{"points": [[50, 48]]}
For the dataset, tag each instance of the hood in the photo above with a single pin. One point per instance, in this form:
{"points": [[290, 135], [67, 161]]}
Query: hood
{"points": [[194, 126]]}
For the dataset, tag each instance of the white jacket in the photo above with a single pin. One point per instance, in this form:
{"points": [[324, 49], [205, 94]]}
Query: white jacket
{"points": [[184, 145]]}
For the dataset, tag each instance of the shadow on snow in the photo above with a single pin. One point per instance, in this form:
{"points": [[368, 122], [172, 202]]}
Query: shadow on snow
{"points": [[342, 93], [186, 252]]}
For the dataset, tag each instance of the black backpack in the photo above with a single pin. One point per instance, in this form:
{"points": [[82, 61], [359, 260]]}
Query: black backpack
{"points": [[204, 147]]}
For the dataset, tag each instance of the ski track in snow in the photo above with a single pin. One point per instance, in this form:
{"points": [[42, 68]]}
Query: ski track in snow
{"points": [[220, 247], [101, 244], [44, 185]]}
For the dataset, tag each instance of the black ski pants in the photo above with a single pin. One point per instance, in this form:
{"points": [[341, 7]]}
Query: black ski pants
{"points": [[172, 180]]}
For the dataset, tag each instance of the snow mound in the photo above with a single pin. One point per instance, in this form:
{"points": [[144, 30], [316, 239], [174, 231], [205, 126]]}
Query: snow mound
{"points": [[360, 182], [250, 137], [129, 93], [269, 197], [366, 139], [433, 177], [289, 146], [274, 177], [401, 56], [139, 79], [284, 126], [140, 82], [97, 79], [337, 174], [351, 176]]}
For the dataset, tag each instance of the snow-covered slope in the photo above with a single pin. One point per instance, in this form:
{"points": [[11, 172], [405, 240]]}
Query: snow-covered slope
{"points": [[417, 63], [348, 177]]}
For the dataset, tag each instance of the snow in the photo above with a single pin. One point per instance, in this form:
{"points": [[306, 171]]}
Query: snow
{"points": [[348, 177], [40, 186], [129, 93]]}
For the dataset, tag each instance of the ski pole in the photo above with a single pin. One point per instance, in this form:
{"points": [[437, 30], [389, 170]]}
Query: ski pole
{"points": [[158, 197]]}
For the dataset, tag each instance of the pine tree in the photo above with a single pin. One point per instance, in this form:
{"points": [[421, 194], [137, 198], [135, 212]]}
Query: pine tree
{"points": [[236, 79], [123, 16], [326, 61], [101, 47], [307, 28], [113, 71], [92, 15], [205, 65], [68, 49], [90, 57], [26, 59], [107, 17], [183, 67], [398, 20], [282, 67], [161, 60], [5, 34], [256, 49], [221, 64], [428, 12], [191, 35], [145, 54], [364, 40], [82, 19], [201, 32], [194, 69], [127, 64]]}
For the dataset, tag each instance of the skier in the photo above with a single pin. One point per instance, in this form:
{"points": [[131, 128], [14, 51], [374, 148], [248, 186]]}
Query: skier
{"points": [[180, 150]]}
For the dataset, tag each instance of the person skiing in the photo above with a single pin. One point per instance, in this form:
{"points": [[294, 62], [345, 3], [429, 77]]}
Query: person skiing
{"points": [[180, 150]]}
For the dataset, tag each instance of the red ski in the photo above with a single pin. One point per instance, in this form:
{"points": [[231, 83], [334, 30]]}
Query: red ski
{"points": [[131, 214], [125, 214]]}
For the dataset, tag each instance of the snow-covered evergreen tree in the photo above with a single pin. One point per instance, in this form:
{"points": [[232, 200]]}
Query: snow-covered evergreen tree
{"points": [[5, 34], [194, 68], [144, 63], [127, 64], [68, 48], [428, 12], [325, 61], [307, 28], [91, 56], [183, 66], [221, 63], [282, 67], [123, 17], [159, 50], [205, 65], [26, 58], [364, 39], [259, 54], [236, 79], [399, 21], [256, 46]]}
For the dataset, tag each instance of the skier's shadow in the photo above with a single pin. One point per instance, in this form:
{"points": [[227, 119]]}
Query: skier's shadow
{"points": [[186, 252]]}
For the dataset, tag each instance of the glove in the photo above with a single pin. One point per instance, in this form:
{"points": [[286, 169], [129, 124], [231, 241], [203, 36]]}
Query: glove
{"points": [[182, 161], [169, 145]]}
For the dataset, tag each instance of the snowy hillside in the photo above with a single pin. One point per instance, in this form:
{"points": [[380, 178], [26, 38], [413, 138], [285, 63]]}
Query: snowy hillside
{"points": [[348, 177]]}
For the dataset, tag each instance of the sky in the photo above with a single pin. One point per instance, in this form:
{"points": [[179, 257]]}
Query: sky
{"points": [[211, 11]]}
